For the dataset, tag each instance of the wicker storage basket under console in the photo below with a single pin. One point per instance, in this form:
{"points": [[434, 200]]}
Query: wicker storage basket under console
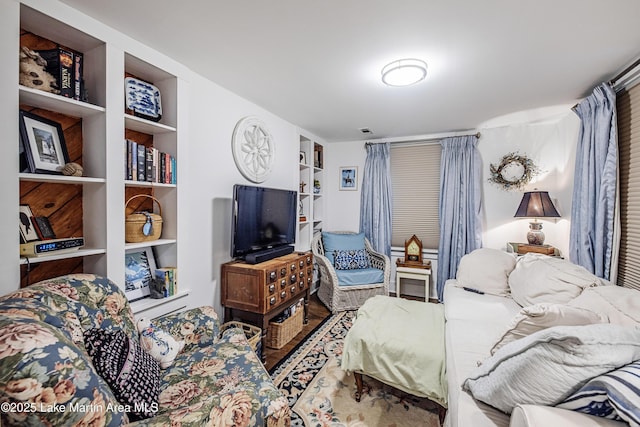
{"points": [[279, 334], [253, 333], [143, 226]]}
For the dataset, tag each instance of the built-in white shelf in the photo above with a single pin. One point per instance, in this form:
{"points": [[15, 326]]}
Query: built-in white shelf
{"points": [[130, 183], [158, 242], [60, 104], [60, 179], [146, 126], [82, 252], [146, 304]]}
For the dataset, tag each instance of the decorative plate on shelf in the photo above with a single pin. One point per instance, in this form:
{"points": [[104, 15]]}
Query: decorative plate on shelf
{"points": [[142, 99]]}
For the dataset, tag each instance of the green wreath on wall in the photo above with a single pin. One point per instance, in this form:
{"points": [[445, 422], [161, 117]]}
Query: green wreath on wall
{"points": [[513, 172]]}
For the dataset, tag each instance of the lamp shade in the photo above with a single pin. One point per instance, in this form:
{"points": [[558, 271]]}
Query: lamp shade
{"points": [[536, 204]]}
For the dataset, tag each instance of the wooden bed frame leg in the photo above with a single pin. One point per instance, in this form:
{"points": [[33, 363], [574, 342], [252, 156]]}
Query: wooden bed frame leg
{"points": [[442, 411], [358, 377]]}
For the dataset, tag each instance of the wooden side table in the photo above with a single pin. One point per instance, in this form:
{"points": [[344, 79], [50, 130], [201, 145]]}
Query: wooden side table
{"points": [[416, 272]]}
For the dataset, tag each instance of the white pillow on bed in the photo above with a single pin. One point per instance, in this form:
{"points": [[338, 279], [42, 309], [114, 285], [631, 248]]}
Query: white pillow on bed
{"points": [[540, 278], [547, 366], [537, 317], [486, 270]]}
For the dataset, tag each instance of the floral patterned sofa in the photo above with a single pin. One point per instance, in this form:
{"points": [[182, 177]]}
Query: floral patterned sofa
{"points": [[47, 377]]}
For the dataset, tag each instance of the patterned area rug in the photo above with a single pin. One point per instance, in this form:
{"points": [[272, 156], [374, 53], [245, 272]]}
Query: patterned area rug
{"points": [[321, 394]]}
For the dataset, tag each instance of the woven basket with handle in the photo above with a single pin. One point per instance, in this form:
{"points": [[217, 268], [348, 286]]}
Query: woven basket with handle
{"points": [[142, 226]]}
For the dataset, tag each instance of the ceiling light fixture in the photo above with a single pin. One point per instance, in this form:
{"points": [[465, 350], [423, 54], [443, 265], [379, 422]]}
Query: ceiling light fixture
{"points": [[404, 72]]}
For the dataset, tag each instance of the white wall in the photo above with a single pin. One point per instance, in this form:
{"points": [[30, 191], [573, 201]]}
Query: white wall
{"points": [[342, 208], [210, 174], [552, 146]]}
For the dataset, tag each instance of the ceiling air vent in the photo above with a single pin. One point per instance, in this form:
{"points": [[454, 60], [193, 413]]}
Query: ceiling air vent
{"points": [[366, 131]]}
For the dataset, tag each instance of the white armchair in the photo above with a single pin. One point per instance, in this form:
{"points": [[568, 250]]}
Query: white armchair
{"points": [[341, 296]]}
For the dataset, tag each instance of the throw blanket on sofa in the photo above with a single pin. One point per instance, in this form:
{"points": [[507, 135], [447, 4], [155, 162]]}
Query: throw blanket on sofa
{"points": [[401, 343]]}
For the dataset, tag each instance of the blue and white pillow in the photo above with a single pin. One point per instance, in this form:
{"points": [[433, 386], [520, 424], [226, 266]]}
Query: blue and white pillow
{"points": [[341, 241], [615, 395], [352, 259]]}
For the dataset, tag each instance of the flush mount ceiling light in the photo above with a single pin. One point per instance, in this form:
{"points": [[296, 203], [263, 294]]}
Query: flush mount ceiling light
{"points": [[404, 72]]}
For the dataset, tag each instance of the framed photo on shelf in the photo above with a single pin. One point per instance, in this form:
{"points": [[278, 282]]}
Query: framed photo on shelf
{"points": [[140, 269], [349, 178], [42, 143], [303, 158], [28, 231]]}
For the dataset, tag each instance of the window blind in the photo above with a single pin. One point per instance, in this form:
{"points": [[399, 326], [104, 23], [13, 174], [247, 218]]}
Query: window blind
{"points": [[415, 176], [628, 112]]}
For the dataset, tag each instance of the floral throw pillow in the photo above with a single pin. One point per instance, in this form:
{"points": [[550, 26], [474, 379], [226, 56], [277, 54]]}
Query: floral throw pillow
{"points": [[352, 259], [131, 373]]}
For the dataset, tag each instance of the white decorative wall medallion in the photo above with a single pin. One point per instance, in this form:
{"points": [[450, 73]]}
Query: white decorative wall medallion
{"points": [[253, 149]]}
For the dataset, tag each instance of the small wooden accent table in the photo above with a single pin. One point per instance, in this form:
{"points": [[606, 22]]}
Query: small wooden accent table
{"points": [[416, 271]]}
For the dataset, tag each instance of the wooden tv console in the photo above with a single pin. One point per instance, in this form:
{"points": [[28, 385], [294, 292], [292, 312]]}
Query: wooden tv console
{"points": [[256, 293]]}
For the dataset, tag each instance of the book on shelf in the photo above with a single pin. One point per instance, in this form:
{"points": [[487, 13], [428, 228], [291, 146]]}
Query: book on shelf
{"points": [[78, 61], [168, 275], [174, 170], [154, 164], [66, 66], [128, 173], [142, 169], [148, 164]]}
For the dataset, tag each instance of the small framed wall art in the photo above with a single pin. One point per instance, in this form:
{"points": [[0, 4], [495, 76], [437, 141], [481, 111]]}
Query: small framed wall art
{"points": [[42, 143], [28, 231], [140, 269], [349, 178]]}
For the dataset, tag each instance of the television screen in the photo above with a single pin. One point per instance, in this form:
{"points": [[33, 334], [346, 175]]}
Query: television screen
{"points": [[262, 218]]}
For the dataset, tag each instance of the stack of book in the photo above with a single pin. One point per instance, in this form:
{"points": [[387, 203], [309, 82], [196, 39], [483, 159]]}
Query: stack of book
{"points": [[148, 164], [66, 66], [168, 275]]}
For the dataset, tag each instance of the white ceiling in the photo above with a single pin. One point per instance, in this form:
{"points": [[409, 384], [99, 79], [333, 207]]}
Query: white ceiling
{"points": [[317, 64]]}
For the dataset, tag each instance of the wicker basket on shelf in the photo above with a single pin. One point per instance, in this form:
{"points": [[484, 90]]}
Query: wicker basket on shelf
{"points": [[279, 334], [142, 226], [253, 333]]}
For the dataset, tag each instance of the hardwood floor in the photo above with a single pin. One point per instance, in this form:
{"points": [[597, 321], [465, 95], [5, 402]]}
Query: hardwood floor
{"points": [[317, 313]]}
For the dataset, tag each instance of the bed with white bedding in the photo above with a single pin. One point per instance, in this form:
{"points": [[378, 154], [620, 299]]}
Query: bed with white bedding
{"points": [[476, 324]]}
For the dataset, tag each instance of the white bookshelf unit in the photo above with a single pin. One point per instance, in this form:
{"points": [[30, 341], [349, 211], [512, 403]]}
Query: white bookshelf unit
{"points": [[309, 192], [99, 195]]}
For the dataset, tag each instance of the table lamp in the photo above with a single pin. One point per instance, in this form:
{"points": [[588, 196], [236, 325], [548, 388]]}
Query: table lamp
{"points": [[536, 204]]}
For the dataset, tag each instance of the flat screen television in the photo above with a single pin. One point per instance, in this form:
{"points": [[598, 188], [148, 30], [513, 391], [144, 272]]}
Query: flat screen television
{"points": [[263, 219]]}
